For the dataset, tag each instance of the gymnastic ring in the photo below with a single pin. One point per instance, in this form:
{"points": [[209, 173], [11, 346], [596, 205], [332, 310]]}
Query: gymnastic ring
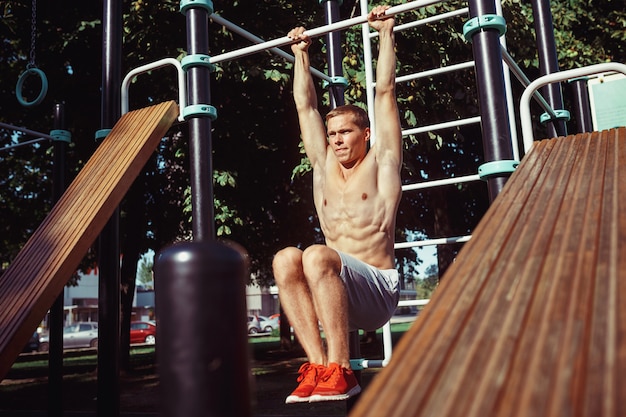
{"points": [[20, 84]]}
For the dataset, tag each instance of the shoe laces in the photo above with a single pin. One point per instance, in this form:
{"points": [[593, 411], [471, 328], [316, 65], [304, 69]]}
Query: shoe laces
{"points": [[307, 370], [332, 374]]}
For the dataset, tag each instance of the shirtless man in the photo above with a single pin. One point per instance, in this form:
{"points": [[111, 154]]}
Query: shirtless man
{"points": [[350, 283]]}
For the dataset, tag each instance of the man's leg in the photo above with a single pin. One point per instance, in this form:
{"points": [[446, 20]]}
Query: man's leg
{"points": [[297, 302], [322, 267]]}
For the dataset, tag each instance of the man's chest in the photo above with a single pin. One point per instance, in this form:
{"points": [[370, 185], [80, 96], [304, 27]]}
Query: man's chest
{"points": [[354, 199]]}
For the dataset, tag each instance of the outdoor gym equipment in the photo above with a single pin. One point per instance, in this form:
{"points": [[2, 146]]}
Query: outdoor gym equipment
{"points": [[31, 68]]}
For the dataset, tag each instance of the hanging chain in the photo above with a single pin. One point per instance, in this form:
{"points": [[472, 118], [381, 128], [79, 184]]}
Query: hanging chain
{"points": [[33, 35]]}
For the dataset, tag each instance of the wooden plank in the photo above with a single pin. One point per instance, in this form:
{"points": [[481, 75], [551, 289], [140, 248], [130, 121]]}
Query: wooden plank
{"points": [[531, 318], [40, 271]]}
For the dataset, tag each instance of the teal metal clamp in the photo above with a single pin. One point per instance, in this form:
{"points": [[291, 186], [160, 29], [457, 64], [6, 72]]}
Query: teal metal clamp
{"points": [[558, 115], [199, 110], [337, 80], [356, 364], [197, 60], [479, 23], [102, 133], [20, 85], [61, 135], [497, 168], [188, 4]]}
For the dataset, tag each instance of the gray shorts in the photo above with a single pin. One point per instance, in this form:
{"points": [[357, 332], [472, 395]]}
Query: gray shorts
{"points": [[372, 293]]}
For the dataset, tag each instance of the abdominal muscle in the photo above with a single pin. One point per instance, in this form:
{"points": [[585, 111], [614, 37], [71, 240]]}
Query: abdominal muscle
{"points": [[356, 217], [363, 229]]}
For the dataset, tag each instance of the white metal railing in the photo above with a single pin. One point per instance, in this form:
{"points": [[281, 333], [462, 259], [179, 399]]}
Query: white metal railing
{"points": [[525, 116], [182, 92], [387, 341]]}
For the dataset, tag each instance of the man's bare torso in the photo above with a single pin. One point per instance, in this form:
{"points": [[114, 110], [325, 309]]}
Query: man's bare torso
{"points": [[357, 216]]}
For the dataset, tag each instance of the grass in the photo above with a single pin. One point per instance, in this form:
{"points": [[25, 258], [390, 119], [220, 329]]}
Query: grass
{"points": [[141, 355]]}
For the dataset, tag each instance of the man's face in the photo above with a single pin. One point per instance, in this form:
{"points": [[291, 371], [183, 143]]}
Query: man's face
{"points": [[349, 142]]}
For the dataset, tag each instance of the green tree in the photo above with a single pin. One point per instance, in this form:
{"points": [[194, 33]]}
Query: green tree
{"points": [[144, 270]]}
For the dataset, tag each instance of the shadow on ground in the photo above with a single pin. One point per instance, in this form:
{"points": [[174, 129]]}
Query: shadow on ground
{"points": [[25, 391]]}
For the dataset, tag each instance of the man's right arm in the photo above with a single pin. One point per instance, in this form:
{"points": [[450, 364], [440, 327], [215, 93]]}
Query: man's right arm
{"points": [[304, 94]]}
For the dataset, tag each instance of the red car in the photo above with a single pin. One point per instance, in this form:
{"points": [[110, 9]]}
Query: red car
{"points": [[142, 332]]}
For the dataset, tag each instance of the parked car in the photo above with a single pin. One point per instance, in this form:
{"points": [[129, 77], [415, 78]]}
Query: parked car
{"points": [[142, 332], [33, 344], [77, 335], [254, 326], [267, 325]]}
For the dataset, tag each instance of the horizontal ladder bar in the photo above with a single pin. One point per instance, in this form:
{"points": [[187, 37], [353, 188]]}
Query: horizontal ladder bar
{"points": [[322, 30], [432, 242]]}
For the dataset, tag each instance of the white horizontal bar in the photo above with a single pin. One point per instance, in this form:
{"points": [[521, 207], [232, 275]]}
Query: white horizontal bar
{"points": [[436, 183], [408, 303], [445, 125], [322, 30], [436, 71], [431, 242], [425, 21], [244, 33]]}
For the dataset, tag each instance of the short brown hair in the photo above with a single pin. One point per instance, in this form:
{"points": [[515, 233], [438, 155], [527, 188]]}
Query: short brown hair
{"points": [[359, 115]]}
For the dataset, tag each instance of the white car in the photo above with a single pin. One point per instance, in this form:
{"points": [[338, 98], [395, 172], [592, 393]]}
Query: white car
{"points": [[254, 326], [267, 325]]}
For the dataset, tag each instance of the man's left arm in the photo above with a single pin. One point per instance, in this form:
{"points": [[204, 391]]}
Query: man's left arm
{"points": [[388, 145]]}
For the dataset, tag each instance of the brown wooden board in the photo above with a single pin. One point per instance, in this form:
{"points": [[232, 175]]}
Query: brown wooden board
{"points": [[530, 320], [38, 274]]}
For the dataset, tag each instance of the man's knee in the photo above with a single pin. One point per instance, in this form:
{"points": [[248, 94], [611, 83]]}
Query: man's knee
{"points": [[321, 258], [287, 264]]}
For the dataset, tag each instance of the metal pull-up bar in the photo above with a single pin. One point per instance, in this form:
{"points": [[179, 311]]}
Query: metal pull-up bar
{"points": [[322, 30], [236, 29]]}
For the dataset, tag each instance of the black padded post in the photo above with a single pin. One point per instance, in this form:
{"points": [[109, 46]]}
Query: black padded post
{"points": [[202, 346]]}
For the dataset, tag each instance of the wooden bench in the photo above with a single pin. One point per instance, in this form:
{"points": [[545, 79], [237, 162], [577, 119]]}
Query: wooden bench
{"points": [[38, 274], [531, 318]]}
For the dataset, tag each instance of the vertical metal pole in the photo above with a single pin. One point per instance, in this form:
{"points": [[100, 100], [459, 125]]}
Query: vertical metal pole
{"points": [[201, 284], [200, 146], [491, 94], [581, 109], [334, 56], [108, 389], [548, 61], [55, 354]]}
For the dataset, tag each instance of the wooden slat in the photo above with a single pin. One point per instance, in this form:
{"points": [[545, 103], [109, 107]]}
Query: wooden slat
{"points": [[531, 318], [39, 272]]}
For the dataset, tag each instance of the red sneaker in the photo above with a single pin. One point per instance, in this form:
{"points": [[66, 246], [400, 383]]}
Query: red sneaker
{"points": [[310, 374], [336, 384]]}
